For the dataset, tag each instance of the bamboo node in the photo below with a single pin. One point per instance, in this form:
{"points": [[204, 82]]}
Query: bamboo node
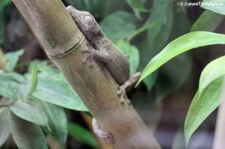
{"points": [[66, 52]]}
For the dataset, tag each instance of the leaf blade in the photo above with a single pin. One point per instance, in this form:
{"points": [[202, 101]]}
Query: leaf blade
{"points": [[202, 106], [57, 122], [34, 78], [180, 45], [12, 58], [4, 125], [31, 137], [9, 84], [208, 21], [123, 25], [82, 134], [217, 6], [61, 94], [30, 113], [132, 54], [211, 72]]}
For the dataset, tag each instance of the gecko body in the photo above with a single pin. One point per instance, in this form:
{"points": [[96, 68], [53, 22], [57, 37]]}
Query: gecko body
{"points": [[103, 50]]}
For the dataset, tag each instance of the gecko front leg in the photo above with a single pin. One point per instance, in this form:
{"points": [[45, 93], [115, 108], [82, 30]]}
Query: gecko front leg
{"points": [[102, 56]]}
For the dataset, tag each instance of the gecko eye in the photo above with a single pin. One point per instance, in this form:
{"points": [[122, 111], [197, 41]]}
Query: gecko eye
{"points": [[88, 19]]}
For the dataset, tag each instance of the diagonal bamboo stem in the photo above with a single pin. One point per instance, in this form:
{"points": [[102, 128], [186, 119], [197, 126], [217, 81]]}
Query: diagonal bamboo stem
{"points": [[62, 42]]}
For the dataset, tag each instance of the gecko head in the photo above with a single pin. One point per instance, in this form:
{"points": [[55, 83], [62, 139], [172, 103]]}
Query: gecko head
{"points": [[86, 22]]}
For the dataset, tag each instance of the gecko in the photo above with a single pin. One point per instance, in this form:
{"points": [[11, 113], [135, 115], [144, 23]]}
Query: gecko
{"points": [[103, 50]]}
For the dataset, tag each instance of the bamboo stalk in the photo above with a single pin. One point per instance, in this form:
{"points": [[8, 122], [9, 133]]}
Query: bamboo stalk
{"points": [[62, 42]]}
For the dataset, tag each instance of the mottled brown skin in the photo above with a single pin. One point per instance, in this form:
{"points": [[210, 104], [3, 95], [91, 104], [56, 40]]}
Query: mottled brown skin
{"points": [[105, 51]]}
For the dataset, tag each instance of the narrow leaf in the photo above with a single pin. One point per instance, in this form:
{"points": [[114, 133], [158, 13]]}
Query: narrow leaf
{"points": [[27, 135], [202, 106], [13, 58], [162, 16], [208, 21], [57, 122], [61, 94], [4, 125], [123, 25], [1, 26], [137, 4], [82, 135], [58, 92], [34, 78], [30, 113], [211, 72], [145, 27], [217, 6], [180, 45], [132, 53], [9, 84], [4, 3]]}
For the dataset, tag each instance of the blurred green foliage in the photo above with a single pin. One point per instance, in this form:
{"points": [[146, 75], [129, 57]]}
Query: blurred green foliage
{"points": [[32, 100], [3, 4]]}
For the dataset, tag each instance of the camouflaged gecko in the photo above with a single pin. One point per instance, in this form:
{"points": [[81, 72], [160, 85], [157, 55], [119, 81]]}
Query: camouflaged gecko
{"points": [[103, 50]]}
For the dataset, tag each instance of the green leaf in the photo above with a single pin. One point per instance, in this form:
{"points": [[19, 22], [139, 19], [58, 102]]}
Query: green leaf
{"points": [[202, 106], [24, 88], [47, 69], [27, 135], [118, 25], [181, 23], [12, 58], [159, 26], [4, 125], [208, 21], [162, 16], [1, 26], [11, 76], [29, 112], [217, 6], [211, 72], [9, 84], [82, 135], [140, 30], [34, 78], [137, 5], [132, 53], [180, 45], [56, 90], [57, 122], [3, 3]]}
